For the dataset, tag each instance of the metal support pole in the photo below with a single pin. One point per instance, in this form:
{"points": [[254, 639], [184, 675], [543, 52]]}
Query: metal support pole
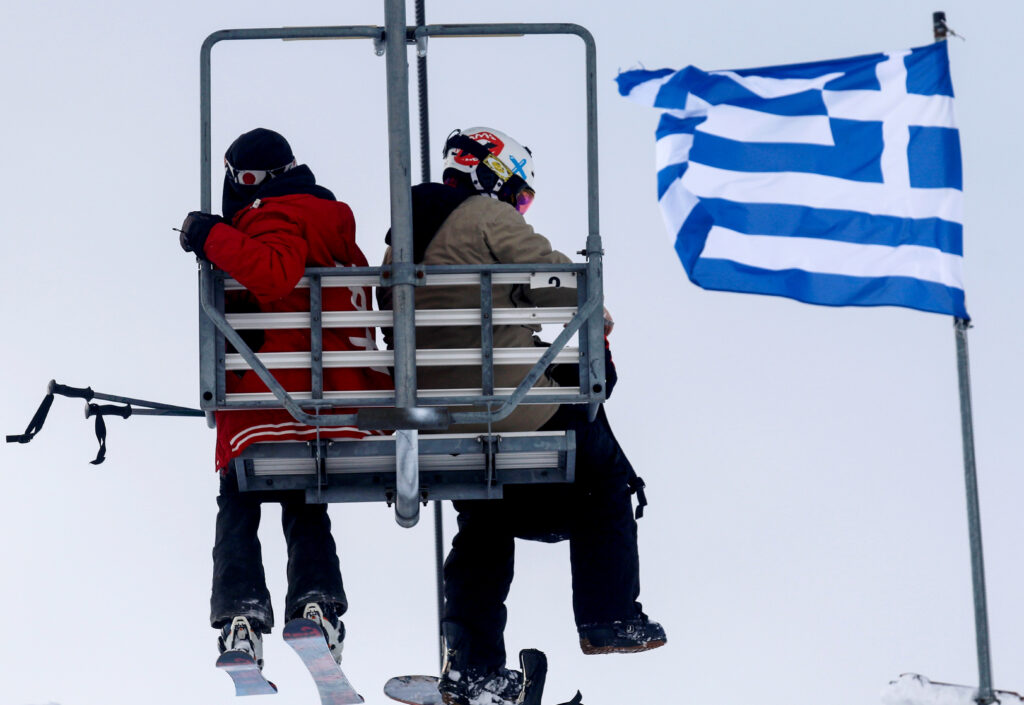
{"points": [[985, 695], [424, 101], [407, 508]]}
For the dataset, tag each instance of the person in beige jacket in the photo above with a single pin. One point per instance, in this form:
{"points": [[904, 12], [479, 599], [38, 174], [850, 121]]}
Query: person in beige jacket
{"points": [[474, 217]]}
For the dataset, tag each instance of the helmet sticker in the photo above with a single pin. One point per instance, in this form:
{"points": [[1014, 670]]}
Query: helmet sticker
{"points": [[517, 166], [498, 167], [490, 140]]}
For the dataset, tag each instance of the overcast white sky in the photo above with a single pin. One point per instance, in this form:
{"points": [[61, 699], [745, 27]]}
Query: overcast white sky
{"points": [[806, 540]]}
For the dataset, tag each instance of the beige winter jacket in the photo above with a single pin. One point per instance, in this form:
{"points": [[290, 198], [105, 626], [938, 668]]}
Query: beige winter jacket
{"points": [[484, 231]]}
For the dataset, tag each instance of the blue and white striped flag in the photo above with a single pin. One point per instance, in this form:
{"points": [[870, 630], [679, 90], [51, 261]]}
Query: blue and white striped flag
{"points": [[834, 182]]}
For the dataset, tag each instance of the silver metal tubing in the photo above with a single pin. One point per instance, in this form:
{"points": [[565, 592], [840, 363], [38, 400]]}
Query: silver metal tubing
{"points": [[594, 251], [424, 317], [407, 478], [985, 694], [407, 508], [546, 359], [218, 320], [401, 203], [316, 336], [440, 357]]}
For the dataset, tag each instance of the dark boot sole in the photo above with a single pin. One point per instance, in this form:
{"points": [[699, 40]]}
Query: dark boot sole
{"points": [[589, 649], [450, 699]]}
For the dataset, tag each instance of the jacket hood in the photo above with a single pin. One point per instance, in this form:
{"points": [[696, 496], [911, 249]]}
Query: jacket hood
{"points": [[431, 206]]}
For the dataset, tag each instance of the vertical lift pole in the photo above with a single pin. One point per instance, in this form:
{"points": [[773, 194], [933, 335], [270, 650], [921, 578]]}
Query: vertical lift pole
{"points": [[424, 105], [403, 275]]}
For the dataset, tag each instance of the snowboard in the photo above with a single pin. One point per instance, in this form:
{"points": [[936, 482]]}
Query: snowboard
{"points": [[305, 637], [245, 674], [422, 690], [413, 690]]}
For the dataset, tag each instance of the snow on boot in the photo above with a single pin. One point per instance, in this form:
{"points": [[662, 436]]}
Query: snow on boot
{"points": [[622, 637], [478, 686], [242, 635], [330, 624]]}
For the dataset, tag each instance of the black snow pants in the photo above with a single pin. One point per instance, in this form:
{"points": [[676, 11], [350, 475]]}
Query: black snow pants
{"points": [[596, 515], [239, 583]]}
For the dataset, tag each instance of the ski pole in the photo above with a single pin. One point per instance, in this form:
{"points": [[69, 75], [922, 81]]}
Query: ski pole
{"points": [[88, 394]]}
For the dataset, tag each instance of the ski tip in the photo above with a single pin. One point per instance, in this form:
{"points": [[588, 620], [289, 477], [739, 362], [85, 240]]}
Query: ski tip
{"points": [[576, 699], [301, 628], [235, 658], [245, 673]]}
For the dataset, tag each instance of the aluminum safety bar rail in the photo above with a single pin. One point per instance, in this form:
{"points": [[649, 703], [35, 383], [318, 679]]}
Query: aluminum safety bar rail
{"points": [[215, 396]]}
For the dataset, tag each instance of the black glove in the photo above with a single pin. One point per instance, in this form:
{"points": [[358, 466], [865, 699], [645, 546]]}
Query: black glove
{"points": [[195, 230]]}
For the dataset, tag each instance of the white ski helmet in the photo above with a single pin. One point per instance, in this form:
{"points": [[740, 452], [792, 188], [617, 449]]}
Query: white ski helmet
{"points": [[496, 164]]}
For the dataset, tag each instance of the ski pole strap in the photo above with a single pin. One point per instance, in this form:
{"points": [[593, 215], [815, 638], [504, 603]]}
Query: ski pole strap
{"points": [[99, 411], [36, 424], [636, 486]]}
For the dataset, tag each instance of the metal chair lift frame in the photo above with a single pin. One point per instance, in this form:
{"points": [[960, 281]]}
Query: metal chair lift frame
{"points": [[404, 468]]}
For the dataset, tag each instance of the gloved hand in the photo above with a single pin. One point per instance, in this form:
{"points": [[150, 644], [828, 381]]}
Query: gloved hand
{"points": [[195, 230]]}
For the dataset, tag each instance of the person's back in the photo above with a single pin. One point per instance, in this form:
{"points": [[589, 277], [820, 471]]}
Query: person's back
{"points": [[277, 221], [279, 236], [476, 218], [454, 224]]}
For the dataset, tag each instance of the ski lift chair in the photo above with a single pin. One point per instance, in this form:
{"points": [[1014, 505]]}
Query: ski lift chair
{"points": [[405, 468]]}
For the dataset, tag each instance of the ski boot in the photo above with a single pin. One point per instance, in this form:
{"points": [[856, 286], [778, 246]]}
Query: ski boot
{"points": [[243, 634], [479, 686], [330, 624], [623, 637]]}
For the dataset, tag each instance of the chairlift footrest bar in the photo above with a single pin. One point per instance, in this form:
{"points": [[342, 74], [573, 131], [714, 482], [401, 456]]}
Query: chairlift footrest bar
{"points": [[451, 466], [424, 418]]}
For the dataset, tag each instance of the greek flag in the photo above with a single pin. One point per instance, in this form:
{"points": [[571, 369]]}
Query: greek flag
{"points": [[834, 182]]}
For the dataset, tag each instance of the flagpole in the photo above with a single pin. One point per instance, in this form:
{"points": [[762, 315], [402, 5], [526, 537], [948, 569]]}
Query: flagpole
{"points": [[985, 695], [960, 326]]}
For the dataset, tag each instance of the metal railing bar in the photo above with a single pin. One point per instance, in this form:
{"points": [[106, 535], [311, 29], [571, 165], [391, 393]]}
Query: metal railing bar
{"points": [[550, 355], [486, 320], [383, 358], [246, 353], [440, 275], [464, 394], [424, 317], [316, 336]]}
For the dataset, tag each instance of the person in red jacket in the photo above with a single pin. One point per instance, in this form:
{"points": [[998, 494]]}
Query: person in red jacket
{"points": [[277, 221]]}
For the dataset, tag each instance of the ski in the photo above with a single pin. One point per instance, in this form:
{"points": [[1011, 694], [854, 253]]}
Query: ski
{"points": [[307, 639], [245, 674]]}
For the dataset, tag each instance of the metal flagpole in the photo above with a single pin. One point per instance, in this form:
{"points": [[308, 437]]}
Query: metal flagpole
{"points": [[421, 80], [985, 695], [960, 327]]}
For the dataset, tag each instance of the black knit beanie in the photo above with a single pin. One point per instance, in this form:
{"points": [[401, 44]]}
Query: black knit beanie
{"points": [[259, 149]]}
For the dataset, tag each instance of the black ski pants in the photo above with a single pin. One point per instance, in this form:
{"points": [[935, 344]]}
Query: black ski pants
{"points": [[239, 583], [596, 515]]}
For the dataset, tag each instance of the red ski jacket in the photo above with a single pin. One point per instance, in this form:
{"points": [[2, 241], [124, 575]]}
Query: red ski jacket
{"points": [[266, 248]]}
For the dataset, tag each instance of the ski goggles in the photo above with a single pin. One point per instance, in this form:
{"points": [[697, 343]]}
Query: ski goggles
{"points": [[252, 177], [524, 199]]}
